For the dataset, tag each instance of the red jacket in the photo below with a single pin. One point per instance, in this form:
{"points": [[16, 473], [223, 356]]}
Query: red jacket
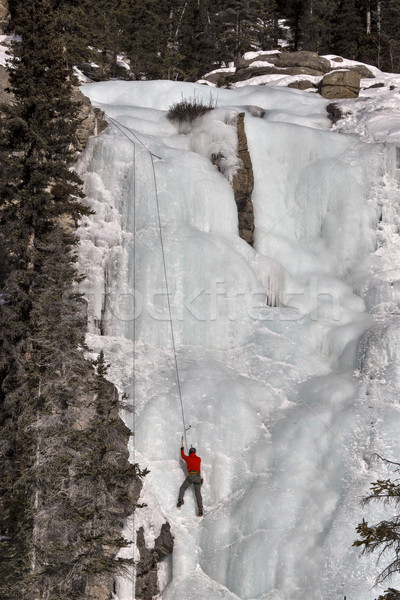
{"points": [[192, 461]]}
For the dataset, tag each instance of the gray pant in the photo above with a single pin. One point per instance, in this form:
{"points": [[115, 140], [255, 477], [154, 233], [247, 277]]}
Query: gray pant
{"points": [[196, 480]]}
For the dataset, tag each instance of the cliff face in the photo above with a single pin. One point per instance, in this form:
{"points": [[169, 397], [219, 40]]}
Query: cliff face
{"points": [[4, 96], [4, 15], [92, 121]]}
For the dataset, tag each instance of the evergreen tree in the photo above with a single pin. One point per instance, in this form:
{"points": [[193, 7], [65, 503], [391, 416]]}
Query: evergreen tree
{"points": [[294, 13], [237, 20], [151, 39], [198, 40], [266, 25], [347, 29], [383, 537], [66, 482], [315, 33], [388, 35]]}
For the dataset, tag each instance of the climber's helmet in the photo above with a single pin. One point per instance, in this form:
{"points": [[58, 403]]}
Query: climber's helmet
{"points": [[192, 450]]}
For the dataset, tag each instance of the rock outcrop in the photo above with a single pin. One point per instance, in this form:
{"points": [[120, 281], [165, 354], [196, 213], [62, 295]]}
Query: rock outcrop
{"points": [[243, 184], [302, 84], [5, 97], [302, 59], [323, 75], [285, 63], [4, 15], [92, 121], [362, 70], [340, 84], [146, 568]]}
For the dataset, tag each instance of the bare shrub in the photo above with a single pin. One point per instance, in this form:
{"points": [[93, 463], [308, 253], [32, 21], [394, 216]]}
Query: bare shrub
{"points": [[189, 109]]}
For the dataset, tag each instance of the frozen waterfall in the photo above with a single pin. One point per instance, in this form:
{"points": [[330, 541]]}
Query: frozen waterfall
{"points": [[286, 403]]}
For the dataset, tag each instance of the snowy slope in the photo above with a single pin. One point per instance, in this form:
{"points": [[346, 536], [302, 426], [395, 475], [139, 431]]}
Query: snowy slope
{"points": [[286, 403]]}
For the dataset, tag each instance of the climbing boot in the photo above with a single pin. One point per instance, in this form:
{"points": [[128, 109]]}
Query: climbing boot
{"points": [[200, 512], [180, 502]]}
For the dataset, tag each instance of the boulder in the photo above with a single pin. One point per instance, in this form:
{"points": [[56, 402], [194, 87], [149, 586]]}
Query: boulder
{"points": [[287, 63], [220, 78], [256, 111], [302, 84], [362, 70], [265, 57], [91, 70], [308, 60], [249, 72], [340, 84], [301, 71], [214, 77]]}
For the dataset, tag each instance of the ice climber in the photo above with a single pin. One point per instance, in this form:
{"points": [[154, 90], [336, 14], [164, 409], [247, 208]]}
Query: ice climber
{"points": [[193, 466]]}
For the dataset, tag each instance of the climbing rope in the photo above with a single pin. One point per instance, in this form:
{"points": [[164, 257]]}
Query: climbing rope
{"points": [[121, 128], [134, 369], [168, 300]]}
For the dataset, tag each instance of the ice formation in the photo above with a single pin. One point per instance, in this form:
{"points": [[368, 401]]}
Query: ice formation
{"points": [[288, 352]]}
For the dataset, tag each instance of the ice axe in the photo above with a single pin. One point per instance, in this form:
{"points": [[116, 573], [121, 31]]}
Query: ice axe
{"points": [[187, 429]]}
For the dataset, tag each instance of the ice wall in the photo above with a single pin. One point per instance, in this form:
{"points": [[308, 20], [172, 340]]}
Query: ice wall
{"points": [[279, 399]]}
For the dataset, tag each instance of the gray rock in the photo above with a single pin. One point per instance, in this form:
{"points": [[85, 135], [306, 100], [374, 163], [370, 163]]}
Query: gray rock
{"points": [[256, 111], [92, 121], [243, 184], [146, 567], [4, 15], [302, 84], [5, 97], [267, 57], [309, 60], [249, 72], [289, 63], [302, 71], [362, 70], [340, 84], [375, 85], [220, 78]]}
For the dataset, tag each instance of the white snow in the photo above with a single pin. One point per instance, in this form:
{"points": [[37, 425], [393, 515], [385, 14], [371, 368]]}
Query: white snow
{"points": [[255, 55], [288, 353], [5, 41], [231, 69]]}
